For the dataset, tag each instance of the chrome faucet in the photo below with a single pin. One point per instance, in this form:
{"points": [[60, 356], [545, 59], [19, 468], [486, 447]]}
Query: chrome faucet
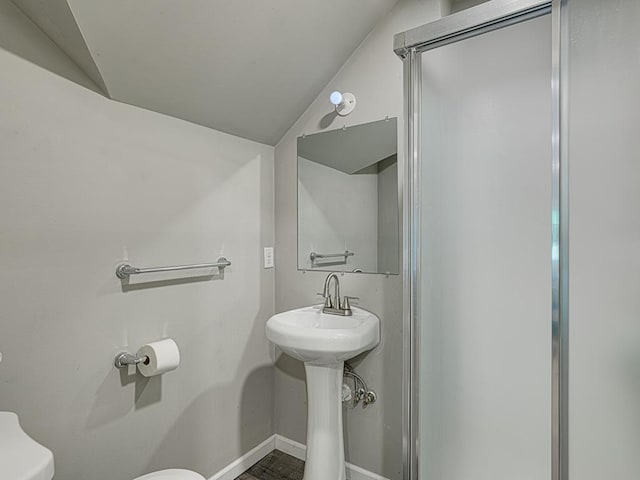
{"points": [[333, 304]]}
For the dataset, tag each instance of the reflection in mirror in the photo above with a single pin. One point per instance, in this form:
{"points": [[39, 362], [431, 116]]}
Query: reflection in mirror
{"points": [[348, 199]]}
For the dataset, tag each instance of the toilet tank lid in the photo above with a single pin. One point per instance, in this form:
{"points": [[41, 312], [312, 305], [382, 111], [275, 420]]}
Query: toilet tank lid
{"points": [[21, 457]]}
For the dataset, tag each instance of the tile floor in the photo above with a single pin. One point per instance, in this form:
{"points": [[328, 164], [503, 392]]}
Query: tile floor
{"points": [[275, 466]]}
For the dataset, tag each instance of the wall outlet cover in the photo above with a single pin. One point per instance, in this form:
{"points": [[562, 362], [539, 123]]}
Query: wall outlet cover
{"points": [[268, 257]]}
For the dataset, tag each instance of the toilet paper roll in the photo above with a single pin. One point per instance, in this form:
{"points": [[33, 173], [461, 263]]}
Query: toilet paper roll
{"points": [[163, 356]]}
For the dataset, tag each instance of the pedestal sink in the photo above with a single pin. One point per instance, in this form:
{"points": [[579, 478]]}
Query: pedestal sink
{"points": [[323, 342]]}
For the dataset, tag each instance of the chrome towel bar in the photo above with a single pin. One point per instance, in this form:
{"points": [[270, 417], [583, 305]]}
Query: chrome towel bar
{"points": [[124, 270], [315, 256]]}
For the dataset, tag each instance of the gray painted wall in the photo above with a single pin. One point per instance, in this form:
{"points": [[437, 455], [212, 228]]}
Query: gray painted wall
{"points": [[374, 74], [84, 183]]}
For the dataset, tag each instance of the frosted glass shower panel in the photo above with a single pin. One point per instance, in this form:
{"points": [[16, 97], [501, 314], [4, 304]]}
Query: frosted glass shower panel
{"points": [[604, 261], [485, 304]]}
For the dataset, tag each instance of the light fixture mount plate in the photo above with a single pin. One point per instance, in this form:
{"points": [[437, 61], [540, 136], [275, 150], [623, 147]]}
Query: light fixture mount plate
{"points": [[347, 106]]}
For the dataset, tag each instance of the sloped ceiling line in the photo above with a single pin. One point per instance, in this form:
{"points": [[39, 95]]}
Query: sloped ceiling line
{"points": [[55, 19], [249, 68]]}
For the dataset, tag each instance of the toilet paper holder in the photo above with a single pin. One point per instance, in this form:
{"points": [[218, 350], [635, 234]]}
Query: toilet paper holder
{"points": [[124, 359]]}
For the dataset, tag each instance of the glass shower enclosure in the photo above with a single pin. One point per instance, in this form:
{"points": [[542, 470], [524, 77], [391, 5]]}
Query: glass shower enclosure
{"points": [[521, 186]]}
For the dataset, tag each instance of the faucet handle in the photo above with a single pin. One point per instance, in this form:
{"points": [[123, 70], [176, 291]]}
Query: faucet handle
{"points": [[345, 302], [327, 299]]}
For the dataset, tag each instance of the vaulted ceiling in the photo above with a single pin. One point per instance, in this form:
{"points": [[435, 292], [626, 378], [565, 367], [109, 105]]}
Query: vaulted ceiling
{"points": [[245, 67]]}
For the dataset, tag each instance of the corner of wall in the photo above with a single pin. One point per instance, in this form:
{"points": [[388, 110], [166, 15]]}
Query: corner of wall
{"points": [[22, 37]]}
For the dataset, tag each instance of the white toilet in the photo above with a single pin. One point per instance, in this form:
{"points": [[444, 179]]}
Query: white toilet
{"points": [[172, 474], [22, 458]]}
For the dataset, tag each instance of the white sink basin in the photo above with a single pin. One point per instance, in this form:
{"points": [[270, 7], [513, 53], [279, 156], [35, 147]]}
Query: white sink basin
{"points": [[315, 337], [323, 342]]}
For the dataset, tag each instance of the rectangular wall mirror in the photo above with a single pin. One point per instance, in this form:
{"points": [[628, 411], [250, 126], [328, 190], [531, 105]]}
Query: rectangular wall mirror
{"points": [[348, 206]]}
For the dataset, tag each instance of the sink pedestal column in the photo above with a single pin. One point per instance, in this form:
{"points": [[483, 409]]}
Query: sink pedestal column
{"points": [[325, 442]]}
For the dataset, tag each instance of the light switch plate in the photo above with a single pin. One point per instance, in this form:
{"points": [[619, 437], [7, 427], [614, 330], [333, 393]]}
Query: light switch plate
{"points": [[268, 257]]}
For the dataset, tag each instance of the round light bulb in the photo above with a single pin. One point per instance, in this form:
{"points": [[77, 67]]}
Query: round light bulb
{"points": [[336, 98]]}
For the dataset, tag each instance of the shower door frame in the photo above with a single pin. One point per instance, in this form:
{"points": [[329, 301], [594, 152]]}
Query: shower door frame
{"points": [[409, 46]]}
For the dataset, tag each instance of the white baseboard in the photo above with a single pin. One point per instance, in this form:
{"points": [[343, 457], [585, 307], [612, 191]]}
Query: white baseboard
{"points": [[299, 450], [242, 464], [291, 447], [286, 445]]}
